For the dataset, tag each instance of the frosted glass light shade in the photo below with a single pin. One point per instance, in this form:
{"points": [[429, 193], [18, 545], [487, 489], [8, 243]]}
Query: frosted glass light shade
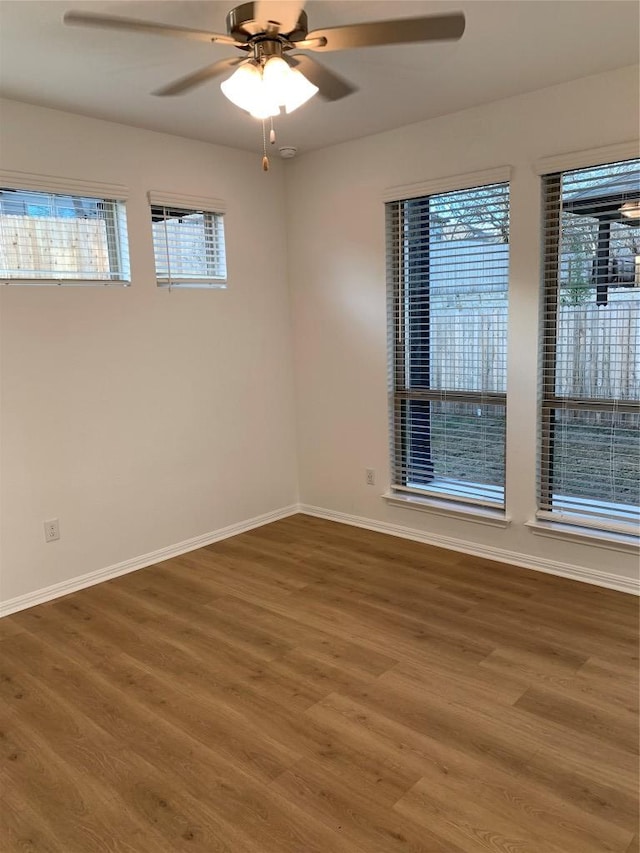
{"points": [[245, 88], [299, 90], [275, 76], [264, 109]]}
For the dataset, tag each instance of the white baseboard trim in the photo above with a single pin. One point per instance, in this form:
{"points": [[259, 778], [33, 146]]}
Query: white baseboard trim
{"points": [[22, 602], [525, 561], [552, 567]]}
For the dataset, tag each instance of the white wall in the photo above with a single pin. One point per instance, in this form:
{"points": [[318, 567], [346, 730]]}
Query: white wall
{"points": [[337, 277], [141, 418]]}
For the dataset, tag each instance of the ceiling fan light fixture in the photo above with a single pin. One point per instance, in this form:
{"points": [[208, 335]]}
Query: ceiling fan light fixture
{"points": [[262, 90]]}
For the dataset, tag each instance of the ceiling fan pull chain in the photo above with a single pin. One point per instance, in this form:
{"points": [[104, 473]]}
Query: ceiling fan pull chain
{"points": [[265, 159], [272, 133]]}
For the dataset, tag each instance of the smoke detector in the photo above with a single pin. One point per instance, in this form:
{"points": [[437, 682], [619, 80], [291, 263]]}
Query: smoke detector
{"points": [[288, 151]]}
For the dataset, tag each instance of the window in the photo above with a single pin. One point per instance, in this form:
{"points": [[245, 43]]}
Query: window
{"points": [[56, 238], [589, 472], [447, 270], [188, 245]]}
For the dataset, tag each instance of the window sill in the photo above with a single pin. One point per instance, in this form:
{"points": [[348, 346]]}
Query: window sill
{"points": [[64, 282], [193, 284], [626, 543], [451, 509]]}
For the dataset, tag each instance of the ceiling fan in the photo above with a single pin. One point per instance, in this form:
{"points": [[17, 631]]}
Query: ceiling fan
{"points": [[267, 76]]}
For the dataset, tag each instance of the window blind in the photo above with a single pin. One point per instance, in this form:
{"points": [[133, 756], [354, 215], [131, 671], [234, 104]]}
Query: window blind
{"points": [[189, 246], [589, 472], [56, 238], [447, 275]]}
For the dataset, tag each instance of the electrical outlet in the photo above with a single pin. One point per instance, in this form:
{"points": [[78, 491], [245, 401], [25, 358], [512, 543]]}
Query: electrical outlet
{"points": [[371, 477], [51, 530]]}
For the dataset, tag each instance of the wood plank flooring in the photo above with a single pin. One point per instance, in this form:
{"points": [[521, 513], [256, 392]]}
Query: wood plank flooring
{"points": [[309, 687]]}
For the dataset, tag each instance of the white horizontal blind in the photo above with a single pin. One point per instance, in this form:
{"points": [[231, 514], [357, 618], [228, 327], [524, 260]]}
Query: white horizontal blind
{"points": [[56, 238], [590, 414], [447, 274], [189, 246]]}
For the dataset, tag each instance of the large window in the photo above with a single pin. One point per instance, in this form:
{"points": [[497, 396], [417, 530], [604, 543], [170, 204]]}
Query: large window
{"points": [[189, 246], [54, 238], [448, 264], [590, 412]]}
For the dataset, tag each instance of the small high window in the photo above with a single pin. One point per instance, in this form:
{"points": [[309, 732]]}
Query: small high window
{"points": [[189, 246], [56, 238]]}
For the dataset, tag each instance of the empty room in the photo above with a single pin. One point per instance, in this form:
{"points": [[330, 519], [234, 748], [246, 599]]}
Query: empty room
{"points": [[319, 426]]}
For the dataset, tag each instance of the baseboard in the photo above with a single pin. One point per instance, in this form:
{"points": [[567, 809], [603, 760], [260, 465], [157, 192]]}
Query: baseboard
{"points": [[525, 561], [552, 567], [22, 602]]}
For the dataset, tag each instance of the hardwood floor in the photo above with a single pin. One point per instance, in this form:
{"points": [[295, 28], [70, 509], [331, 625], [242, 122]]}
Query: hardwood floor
{"points": [[309, 687]]}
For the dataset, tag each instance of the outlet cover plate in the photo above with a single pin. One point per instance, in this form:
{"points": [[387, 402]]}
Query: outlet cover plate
{"points": [[52, 530]]}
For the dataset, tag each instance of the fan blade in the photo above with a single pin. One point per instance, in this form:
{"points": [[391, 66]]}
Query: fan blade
{"points": [[198, 77], [402, 31], [90, 19], [284, 13], [330, 86]]}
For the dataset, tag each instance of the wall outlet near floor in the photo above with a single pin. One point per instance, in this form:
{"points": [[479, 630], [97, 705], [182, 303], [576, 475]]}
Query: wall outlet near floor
{"points": [[371, 476], [51, 530]]}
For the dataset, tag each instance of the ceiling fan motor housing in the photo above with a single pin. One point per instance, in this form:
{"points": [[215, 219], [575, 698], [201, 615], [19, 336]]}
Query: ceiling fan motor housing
{"points": [[243, 26]]}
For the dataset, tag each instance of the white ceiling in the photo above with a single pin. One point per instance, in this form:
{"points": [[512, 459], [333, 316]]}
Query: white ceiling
{"points": [[509, 47]]}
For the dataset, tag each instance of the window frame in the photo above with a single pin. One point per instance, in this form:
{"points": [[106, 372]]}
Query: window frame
{"points": [[213, 212], [398, 341], [551, 172], [113, 197]]}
